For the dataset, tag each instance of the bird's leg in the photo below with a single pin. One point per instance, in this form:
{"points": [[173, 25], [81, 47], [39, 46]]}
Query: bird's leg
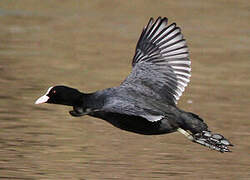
{"points": [[206, 138], [185, 133]]}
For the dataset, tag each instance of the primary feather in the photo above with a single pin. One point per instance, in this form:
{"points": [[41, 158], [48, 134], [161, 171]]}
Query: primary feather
{"points": [[161, 62], [161, 71]]}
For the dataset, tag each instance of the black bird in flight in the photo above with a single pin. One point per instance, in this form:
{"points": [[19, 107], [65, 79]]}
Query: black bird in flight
{"points": [[145, 102]]}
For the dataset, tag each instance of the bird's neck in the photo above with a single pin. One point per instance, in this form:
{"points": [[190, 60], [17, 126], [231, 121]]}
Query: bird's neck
{"points": [[92, 100]]}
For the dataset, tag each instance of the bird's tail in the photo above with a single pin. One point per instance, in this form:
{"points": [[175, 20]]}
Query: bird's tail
{"points": [[201, 135]]}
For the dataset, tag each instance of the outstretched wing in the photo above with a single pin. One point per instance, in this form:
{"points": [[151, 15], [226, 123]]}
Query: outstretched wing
{"points": [[161, 64]]}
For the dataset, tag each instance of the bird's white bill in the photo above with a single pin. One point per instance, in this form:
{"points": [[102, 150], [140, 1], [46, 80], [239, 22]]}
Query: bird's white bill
{"points": [[42, 99]]}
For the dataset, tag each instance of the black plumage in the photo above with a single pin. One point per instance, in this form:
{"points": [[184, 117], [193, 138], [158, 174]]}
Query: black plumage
{"points": [[145, 102]]}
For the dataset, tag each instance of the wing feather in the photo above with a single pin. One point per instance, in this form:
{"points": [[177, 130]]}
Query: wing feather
{"points": [[161, 71], [161, 62]]}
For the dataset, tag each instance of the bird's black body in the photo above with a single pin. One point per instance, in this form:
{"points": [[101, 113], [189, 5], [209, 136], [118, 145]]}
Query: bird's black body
{"points": [[145, 102], [97, 104], [92, 104]]}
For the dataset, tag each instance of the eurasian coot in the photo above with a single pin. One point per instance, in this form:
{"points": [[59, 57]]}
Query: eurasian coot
{"points": [[145, 102]]}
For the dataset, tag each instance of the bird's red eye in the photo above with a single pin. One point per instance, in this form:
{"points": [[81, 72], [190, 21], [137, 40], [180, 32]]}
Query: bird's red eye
{"points": [[54, 91]]}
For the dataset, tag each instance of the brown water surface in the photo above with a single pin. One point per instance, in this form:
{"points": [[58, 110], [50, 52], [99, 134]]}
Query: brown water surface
{"points": [[89, 45]]}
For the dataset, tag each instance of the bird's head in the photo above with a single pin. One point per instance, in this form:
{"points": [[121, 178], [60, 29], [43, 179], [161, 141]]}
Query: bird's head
{"points": [[60, 95]]}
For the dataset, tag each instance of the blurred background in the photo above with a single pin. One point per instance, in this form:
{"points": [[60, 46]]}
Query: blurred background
{"points": [[89, 45]]}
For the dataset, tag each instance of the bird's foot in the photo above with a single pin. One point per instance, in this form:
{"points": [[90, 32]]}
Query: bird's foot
{"points": [[75, 113], [214, 141], [79, 111]]}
